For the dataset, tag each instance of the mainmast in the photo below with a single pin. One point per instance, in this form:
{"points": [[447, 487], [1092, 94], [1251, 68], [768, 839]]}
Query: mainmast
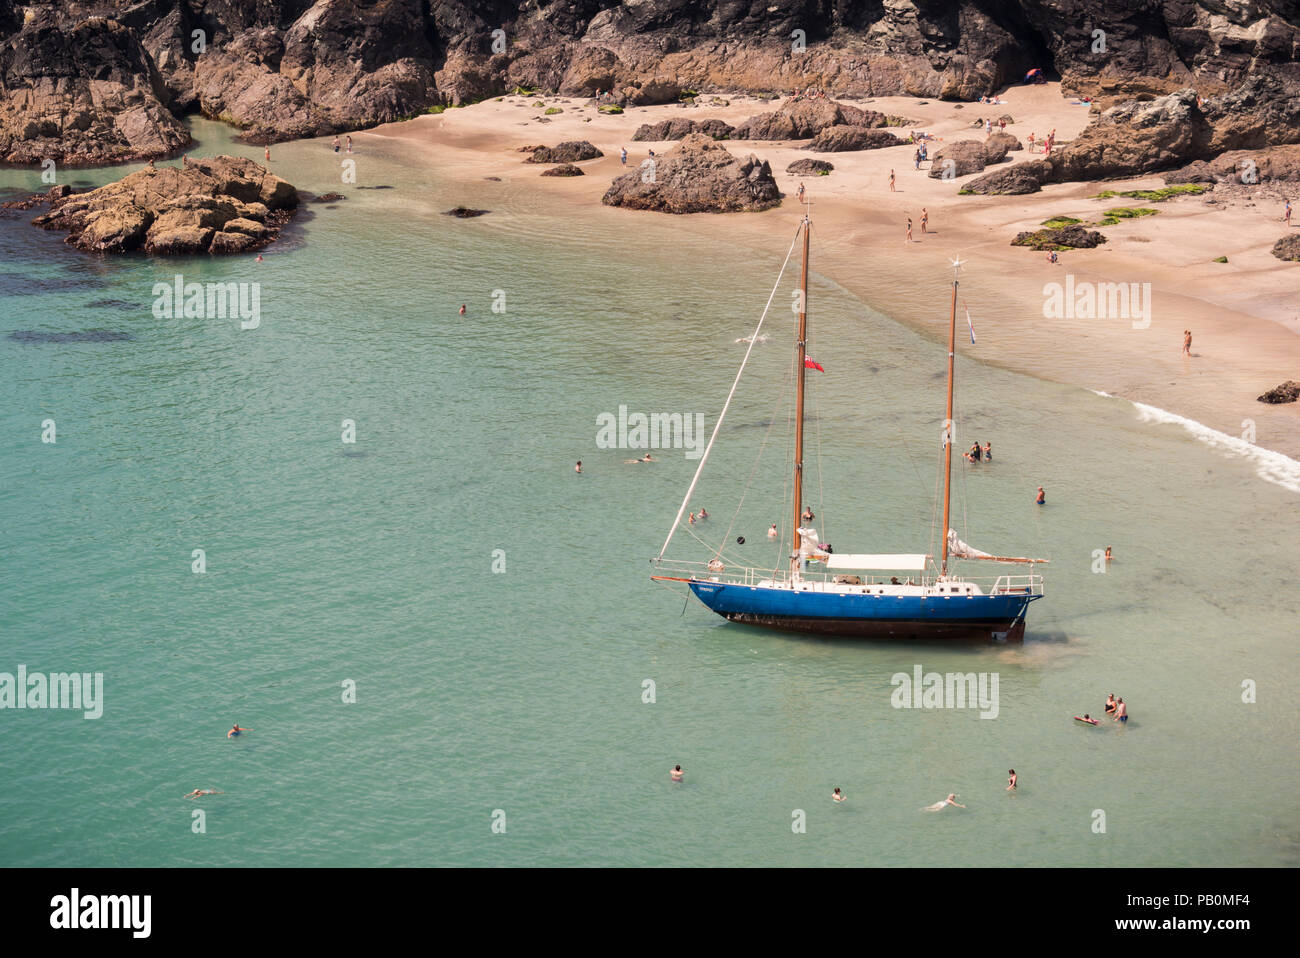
{"points": [[947, 423], [801, 347]]}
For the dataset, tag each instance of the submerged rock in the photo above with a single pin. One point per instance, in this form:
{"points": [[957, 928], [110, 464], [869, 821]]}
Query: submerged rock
{"points": [[698, 175], [224, 204]]}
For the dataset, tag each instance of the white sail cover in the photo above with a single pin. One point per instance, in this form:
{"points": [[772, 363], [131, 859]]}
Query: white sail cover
{"points": [[960, 550], [901, 563], [809, 544]]}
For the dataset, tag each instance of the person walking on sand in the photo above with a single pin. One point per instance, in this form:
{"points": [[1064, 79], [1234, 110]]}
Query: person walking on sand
{"points": [[1286, 213], [909, 229], [349, 138], [1031, 142], [1187, 343], [801, 191], [925, 220], [623, 155], [891, 182]]}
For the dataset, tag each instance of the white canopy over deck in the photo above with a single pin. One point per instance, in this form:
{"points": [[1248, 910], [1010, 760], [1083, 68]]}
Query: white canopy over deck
{"points": [[900, 562]]}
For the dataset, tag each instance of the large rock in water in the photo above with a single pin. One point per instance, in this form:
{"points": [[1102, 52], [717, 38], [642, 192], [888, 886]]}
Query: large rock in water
{"points": [[221, 205], [801, 119], [696, 176], [570, 151], [680, 127], [845, 139]]}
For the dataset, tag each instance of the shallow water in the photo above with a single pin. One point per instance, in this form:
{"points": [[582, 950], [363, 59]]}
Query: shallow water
{"points": [[522, 690]]}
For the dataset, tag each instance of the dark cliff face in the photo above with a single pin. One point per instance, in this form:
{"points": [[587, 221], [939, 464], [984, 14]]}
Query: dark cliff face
{"points": [[286, 68]]}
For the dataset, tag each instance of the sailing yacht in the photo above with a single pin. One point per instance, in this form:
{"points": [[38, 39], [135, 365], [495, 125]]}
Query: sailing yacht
{"points": [[879, 595]]}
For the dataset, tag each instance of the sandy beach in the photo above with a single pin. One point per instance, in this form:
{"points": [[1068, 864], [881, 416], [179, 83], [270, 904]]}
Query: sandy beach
{"points": [[1244, 314]]}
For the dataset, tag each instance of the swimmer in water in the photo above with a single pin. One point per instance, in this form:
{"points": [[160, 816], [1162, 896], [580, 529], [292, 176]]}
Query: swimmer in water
{"points": [[1121, 712], [837, 795], [1110, 703], [939, 806], [203, 791], [259, 258], [1042, 497], [692, 518], [462, 309], [704, 513], [236, 730], [677, 773], [1108, 555], [646, 458], [772, 533], [1011, 782], [578, 467]]}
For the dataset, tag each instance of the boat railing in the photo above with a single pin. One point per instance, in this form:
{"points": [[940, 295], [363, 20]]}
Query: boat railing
{"points": [[1023, 584]]}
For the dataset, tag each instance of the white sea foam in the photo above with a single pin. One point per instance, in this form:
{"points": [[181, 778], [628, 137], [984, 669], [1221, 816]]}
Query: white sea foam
{"points": [[1269, 465]]}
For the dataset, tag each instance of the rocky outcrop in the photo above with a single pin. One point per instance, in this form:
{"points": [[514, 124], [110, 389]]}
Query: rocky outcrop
{"points": [[844, 139], [698, 175], [1275, 164], [221, 205], [809, 167], [564, 169], [570, 151], [1012, 180], [1134, 138], [1288, 248], [1004, 142], [964, 157], [680, 127], [1289, 391], [803, 118], [53, 107], [1074, 236], [283, 68]]}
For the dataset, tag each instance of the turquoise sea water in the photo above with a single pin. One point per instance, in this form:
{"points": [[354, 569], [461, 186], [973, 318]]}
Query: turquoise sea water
{"points": [[521, 690]]}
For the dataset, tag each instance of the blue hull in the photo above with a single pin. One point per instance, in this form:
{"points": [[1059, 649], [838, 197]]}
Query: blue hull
{"points": [[980, 617]]}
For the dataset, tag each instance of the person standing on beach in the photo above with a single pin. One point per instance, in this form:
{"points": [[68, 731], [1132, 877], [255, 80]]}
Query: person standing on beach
{"points": [[925, 219], [336, 144], [268, 154], [1187, 343], [1031, 142], [909, 229], [917, 159], [349, 143], [1286, 213], [623, 155], [891, 181], [801, 191]]}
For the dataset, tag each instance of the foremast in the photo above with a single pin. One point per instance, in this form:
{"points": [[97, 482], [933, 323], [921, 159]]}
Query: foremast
{"points": [[801, 354], [947, 423]]}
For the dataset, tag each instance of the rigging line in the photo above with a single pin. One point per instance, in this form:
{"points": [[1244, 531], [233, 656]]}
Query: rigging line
{"points": [[725, 406], [761, 449]]}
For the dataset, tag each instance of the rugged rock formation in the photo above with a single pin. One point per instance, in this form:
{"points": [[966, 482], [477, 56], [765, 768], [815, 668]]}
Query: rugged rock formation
{"points": [[680, 127], [1275, 164], [843, 139], [809, 167], [698, 175], [1289, 391], [1012, 180], [564, 169], [1001, 141], [283, 68], [570, 151], [56, 107], [221, 205], [1288, 248], [1065, 237], [965, 157], [800, 119]]}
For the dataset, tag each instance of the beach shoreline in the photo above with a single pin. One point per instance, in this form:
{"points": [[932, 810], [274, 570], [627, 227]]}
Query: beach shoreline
{"points": [[1244, 314]]}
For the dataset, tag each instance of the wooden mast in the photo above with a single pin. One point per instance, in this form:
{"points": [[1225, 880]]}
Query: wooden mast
{"points": [[801, 346], [948, 423]]}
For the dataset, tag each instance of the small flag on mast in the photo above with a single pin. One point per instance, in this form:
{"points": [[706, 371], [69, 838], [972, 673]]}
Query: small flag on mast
{"points": [[810, 363]]}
